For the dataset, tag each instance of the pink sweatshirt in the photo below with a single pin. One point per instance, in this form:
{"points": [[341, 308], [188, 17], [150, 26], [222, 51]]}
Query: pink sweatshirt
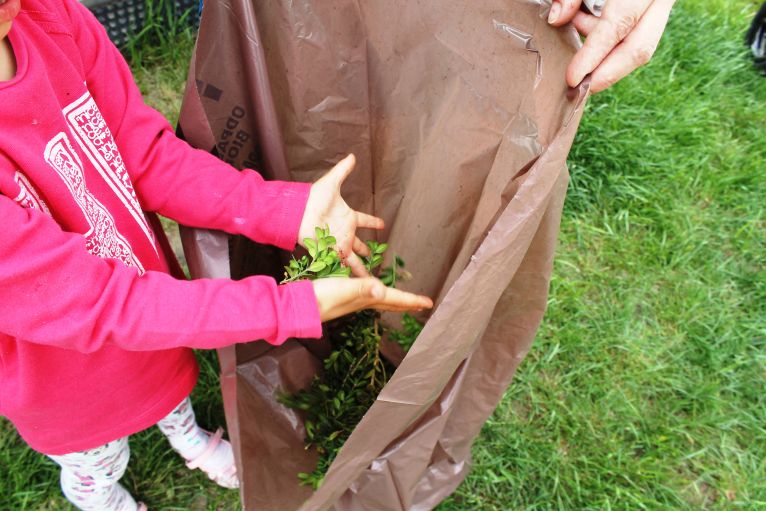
{"points": [[94, 332]]}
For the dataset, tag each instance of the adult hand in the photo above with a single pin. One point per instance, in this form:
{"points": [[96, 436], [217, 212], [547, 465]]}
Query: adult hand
{"points": [[624, 38], [340, 296], [326, 208]]}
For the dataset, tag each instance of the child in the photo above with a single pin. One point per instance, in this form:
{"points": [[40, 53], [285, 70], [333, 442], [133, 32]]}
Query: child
{"points": [[95, 335]]}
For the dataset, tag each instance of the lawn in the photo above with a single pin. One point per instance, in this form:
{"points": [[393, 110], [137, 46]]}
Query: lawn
{"points": [[645, 388]]}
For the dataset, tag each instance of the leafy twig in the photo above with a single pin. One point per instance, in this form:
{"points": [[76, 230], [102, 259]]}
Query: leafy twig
{"points": [[354, 372], [322, 260]]}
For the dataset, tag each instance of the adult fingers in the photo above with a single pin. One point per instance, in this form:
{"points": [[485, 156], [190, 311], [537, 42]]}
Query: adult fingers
{"points": [[365, 221], [585, 23], [617, 21], [562, 11], [635, 50]]}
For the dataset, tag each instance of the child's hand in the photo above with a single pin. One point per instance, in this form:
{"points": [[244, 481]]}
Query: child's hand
{"points": [[340, 296], [326, 207]]}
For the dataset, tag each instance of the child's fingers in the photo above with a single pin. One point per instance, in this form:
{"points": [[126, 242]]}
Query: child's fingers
{"points": [[357, 266], [341, 296], [398, 300], [361, 248], [365, 221], [342, 169], [338, 297]]}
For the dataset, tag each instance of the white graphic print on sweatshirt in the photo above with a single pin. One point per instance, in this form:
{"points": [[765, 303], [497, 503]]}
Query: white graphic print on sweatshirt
{"points": [[95, 139], [28, 196], [102, 239]]}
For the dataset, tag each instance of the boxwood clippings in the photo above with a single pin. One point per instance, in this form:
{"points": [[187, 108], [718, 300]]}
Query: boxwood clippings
{"points": [[322, 260], [354, 372]]}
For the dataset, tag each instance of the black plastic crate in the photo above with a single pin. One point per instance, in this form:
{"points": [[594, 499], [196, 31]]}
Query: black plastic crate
{"points": [[123, 18]]}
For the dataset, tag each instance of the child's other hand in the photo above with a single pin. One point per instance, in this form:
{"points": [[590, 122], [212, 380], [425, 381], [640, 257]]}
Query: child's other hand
{"points": [[340, 296], [326, 208]]}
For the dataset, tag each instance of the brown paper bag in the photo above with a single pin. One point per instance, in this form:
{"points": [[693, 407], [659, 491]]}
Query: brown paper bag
{"points": [[461, 122]]}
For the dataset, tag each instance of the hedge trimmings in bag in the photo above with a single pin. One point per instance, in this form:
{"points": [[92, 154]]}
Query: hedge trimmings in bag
{"points": [[354, 372]]}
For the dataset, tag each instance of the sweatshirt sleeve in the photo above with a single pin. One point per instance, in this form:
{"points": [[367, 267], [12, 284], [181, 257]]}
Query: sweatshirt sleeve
{"points": [[170, 177], [53, 292]]}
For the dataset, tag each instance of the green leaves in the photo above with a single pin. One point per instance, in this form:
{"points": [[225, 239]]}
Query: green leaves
{"points": [[389, 276], [410, 331], [375, 258], [354, 372], [354, 375], [322, 260], [311, 246], [317, 266]]}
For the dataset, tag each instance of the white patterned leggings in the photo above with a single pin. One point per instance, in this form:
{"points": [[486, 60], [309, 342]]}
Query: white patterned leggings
{"points": [[89, 479]]}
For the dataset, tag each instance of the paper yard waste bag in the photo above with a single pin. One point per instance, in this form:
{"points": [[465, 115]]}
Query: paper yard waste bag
{"points": [[461, 121]]}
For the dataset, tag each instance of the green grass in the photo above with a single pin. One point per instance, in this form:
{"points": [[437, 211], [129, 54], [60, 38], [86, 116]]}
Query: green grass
{"points": [[645, 388], [159, 57]]}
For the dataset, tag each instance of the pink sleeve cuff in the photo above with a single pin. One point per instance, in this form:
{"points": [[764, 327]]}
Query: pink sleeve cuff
{"points": [[301, 318]]}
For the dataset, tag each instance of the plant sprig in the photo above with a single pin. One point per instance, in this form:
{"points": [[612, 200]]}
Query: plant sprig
{"points": [[375, 259], [410, 331], [354, 374], [355, 371], [322, 260]]}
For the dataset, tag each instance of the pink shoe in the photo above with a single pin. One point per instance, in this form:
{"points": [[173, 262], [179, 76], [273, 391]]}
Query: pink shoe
{"points": [[142, 507], [226, 477]]}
